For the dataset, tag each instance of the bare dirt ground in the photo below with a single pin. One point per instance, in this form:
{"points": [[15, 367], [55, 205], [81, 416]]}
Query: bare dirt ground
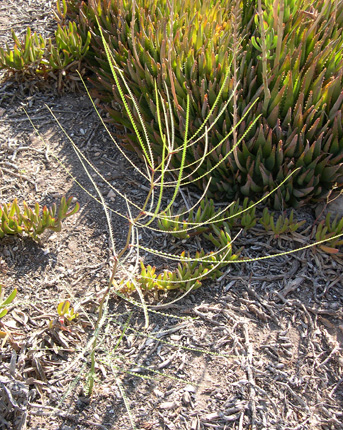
{"points": [[260, 348]]}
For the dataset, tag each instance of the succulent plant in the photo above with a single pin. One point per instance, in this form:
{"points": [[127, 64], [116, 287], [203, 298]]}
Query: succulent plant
{"points": [[206, 217], [45, 59], [25, 54], [282, 225], [190, 45], [6, 302], [329, 228], [191, 271], [66, 312], [34, 221], [188, 223]]}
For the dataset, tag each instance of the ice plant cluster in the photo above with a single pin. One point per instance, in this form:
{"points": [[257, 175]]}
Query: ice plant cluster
{"points": [[35, 221], [286, 54]]}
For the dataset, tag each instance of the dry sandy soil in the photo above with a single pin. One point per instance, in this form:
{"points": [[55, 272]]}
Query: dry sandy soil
{"points": [[261, 348]]}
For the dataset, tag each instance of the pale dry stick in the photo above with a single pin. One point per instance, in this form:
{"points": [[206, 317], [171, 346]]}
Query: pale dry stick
{"points": [[38, 118], [87, 143], [309, 319], [240, 423], [328, 358], [9, 164], [329, 285], [6, 187], [28, 148], [249, 362], [335, 387], [294, 284]]}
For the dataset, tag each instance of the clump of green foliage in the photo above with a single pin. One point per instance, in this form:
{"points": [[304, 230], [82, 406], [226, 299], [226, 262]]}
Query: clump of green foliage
{"points": [[66, 314], [35, 221], [5, 302], [194, 222], [330, 228], [43, 60], [190, 271], [285, 62], [283, 224], [288, 54], [4, 334]]}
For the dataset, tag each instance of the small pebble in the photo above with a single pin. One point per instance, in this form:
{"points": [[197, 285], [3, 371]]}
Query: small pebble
{"points": [[158, 393], [190, 388], [186, 398], [168, 405]]}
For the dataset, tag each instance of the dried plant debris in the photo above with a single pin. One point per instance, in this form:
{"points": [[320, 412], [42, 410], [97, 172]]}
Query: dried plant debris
{"points": [[14, 396], [259, 348]]}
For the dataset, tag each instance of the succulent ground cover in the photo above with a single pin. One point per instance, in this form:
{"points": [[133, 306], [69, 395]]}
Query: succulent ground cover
{"points": [[285, 60], [279, 321]]}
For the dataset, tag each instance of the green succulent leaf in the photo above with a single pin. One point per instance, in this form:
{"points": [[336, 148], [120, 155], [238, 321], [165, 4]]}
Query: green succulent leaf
{"points": [[13, 221]]}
